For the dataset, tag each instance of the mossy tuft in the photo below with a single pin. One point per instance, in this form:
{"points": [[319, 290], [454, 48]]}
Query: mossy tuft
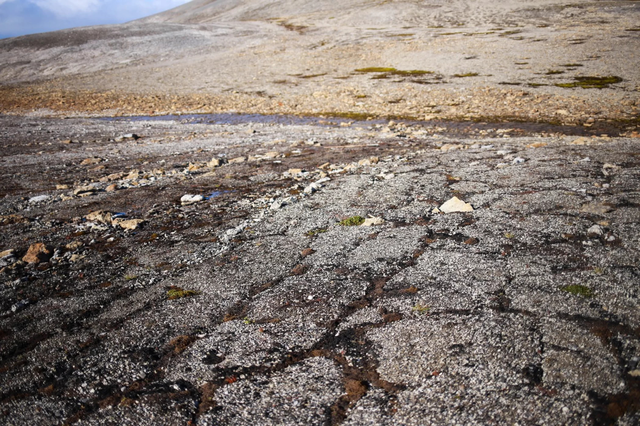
{"points": [[591, 82], [376, 69], [352, 221], [175, 292], [578, 290], [469, 74], [317, 231]]}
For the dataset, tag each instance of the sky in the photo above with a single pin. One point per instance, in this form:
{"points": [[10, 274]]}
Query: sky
{"points": [[20, 17]]}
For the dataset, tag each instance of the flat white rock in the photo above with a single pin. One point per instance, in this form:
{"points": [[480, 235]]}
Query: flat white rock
{"points": [[190, 199], [455, 205]]}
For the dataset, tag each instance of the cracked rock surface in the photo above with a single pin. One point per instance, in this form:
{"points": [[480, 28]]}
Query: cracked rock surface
{"points": [[258, 304]]}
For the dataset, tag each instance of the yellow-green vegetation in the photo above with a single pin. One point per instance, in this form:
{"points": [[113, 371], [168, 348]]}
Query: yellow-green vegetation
{"points": [[130, 277], [552, 72], [578, 290], [571, 65], [421, 309], [376, 69], [352, 221], [469, 74], [510, 32], [248, 321], [314, 232], [175, 292], [632, 29], [386, 72], [536, 84], [509, 235], [591, 82], [598, 270]]}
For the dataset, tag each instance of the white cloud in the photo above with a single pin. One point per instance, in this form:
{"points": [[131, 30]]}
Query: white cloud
{"points": [[67, 7]]}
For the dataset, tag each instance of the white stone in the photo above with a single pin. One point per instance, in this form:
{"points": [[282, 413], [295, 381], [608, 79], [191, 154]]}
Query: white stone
{"points": [[38, 199], [595, 230], [455, 205], [191, 199], [371, 221]]}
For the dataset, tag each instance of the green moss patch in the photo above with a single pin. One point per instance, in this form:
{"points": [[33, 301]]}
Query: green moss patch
{"points": [[553, 72], [591, 82], [352, 221], [317, 231], [469, 74], [578, 290], [175, 292], [376, 69]]}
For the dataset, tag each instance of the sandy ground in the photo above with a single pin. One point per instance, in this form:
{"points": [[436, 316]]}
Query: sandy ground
{"points": [[454, 60]]}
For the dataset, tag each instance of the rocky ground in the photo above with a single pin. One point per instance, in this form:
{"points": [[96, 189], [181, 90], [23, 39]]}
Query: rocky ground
{"points": [[288, 272], [440, 227]]}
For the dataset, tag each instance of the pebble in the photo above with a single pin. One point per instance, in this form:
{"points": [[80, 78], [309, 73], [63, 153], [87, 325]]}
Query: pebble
{"points": [[100, 216], [38, 252], [215, 162], [372, 221], [455, 205], [237, 160], [39, 198], [91, 160], [111, 188], [84, 191], [129, 224], [595, 231], [518, 160], [191, 199], [6, 253], [311, 188]]}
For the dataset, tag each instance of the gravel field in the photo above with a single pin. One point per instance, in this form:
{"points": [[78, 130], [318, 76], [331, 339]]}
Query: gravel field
{"points": [[284, 212]]}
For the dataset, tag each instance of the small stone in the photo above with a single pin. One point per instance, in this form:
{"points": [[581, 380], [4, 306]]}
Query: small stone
{"points": [[100, 216], [76, 257], [131, 136], [6, 253], [634, 373], [299, 270], [311, 188], [294, 172], [271, 154], [112, 188], [307, 252], [84, 191], [518, 160], [562, 112], [237, 160], [66, 141], [39, 198], [91, 160], [37, 253], [595, 231], [277, 205], [455, 205], [215, 162], [372, 221], [130, 224], [74, 245], [133, 174], [191, 199], [62, 187]]}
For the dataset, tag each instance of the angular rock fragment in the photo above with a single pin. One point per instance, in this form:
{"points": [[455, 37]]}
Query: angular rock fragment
{"points": [[191, 199], [129, 224], [455, 205], [38, 252], [100, 216]]}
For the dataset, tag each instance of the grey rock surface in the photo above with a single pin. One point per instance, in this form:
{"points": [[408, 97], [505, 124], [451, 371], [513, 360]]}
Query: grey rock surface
{"points": [[227, 311]]}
